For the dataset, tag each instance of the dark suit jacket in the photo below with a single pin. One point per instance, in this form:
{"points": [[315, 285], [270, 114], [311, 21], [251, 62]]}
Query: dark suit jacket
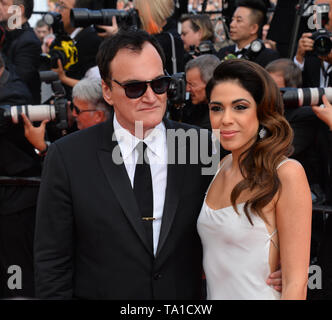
{"points": [[311, 71], [165, 41], [197, 115], [305, 125], [17, 155], [22, 51], [263, 58], [90, 241]]}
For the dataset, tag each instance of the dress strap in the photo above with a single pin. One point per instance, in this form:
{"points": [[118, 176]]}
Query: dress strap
{"points": [[284, 161], [220, 167], [273, 233], [270, 238]]}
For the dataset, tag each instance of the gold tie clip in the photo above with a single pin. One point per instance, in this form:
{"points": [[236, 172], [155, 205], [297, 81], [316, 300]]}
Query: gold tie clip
{"points": [[148, 218]]}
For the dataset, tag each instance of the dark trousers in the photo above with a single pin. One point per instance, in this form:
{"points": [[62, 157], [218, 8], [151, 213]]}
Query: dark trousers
{"points": [[16, 249]]}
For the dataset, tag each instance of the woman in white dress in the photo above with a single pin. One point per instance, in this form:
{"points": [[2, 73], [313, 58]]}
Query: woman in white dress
{"points": [[257, 210]]}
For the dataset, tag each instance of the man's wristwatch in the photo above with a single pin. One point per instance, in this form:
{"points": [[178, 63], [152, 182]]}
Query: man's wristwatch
{"points": [[43, 152]]}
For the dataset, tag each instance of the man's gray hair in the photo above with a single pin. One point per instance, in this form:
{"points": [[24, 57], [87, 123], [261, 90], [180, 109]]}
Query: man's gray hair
{"points": [[90, 90], [206, 64]]}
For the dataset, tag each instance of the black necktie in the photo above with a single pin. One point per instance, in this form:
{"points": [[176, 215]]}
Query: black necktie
{"points": [[143, 190]]}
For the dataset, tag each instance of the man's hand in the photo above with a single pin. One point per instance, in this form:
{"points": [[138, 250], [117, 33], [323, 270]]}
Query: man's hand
{"points": [[305, 44], [274, 280], [109, 30], [325, 114], [35, 135]]}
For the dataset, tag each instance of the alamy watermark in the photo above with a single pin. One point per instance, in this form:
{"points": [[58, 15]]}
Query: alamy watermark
{"points": [[15, 20], [14, 281], [315, 20], [315, 277], [192, 146]]}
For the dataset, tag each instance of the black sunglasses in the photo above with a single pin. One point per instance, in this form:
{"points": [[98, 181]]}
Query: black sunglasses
{"points": [[136, 89], [77, 110]]}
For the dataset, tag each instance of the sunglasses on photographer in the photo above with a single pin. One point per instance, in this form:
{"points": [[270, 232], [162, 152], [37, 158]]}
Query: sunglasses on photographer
{"points": [[135, 89]]}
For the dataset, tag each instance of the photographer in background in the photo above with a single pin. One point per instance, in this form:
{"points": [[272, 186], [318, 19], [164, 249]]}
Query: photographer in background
{"points": [[87, 44], [198, 36], [325, 253], [42, 29], [311, 149], [198, 73], [157, 18], [315, 68], [304, 122], [21, 48], [18, 195], [245, 29], [88, 108]]}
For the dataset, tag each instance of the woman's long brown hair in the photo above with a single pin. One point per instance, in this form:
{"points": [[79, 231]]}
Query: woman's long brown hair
{"points": [[258, 164]]}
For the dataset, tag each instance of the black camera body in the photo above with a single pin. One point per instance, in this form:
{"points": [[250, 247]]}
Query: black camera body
{"points": [[63, 47], [322, 37], [80, 17], [322, 42], [205, 47], [176, 93]]}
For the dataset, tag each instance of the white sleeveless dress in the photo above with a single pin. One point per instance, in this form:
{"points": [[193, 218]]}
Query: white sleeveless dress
{"points": [[235, 254]]}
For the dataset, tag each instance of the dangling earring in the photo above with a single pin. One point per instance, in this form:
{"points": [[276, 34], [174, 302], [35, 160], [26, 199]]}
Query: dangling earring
{"points": [[262, 132]]}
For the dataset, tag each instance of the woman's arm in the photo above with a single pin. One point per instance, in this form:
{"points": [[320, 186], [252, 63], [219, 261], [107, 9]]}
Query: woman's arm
{"points": [[293, 217]]}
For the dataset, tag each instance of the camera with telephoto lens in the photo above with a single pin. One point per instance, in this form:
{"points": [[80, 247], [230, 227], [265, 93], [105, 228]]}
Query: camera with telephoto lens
{"points": [[56, 112], [176, 93], [322, 37], [298, 97], [81, 17], [63, 47]]}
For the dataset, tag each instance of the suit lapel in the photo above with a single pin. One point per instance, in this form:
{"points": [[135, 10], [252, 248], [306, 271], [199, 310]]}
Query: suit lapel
{"points": [[175, 179], [117, 177]]}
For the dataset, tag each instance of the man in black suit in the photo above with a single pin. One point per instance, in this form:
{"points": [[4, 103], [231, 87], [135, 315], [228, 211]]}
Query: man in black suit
{"points": [[21, 47], [91, 242], [247, 22], [112, 223], [18, 196]]}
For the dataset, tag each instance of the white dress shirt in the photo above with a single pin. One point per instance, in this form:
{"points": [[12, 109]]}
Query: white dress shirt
{"points": [[157, 154]]}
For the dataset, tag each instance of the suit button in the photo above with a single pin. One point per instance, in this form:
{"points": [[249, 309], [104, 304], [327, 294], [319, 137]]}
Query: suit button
{"points": [[157, 276]]}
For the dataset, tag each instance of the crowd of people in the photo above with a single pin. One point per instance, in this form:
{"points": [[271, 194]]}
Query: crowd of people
{"points": [[115, 207]]}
